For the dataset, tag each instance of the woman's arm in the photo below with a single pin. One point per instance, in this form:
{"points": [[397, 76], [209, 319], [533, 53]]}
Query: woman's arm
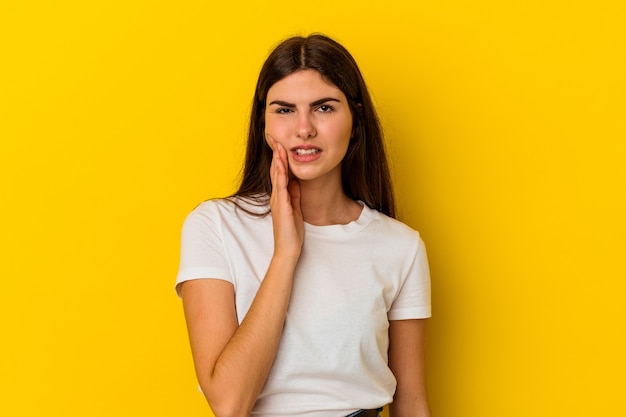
{"points": [[407, 362], [231, 361]]}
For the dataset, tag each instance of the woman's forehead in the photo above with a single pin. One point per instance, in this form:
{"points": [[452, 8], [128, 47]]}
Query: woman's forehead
{"points": [[306, 85]]}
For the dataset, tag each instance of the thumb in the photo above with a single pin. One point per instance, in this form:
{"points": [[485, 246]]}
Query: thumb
{"points": [[294, 193]]}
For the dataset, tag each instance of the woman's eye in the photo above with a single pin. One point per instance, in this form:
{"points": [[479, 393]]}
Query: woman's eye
{"points": [[325, 108], [283, 110]]}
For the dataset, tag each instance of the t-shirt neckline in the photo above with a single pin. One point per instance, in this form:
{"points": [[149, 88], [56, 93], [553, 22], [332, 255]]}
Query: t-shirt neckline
{"points": [[366, 216]]}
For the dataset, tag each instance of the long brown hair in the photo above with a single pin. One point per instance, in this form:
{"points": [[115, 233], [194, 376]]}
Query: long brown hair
{"points": [[365, 171]]}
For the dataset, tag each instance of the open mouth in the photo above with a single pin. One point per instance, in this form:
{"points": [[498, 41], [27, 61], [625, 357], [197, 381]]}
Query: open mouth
{"points": [[312, 151]]}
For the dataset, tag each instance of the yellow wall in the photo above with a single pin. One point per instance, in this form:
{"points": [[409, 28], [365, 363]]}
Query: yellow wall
{"points": [[506, 127]]}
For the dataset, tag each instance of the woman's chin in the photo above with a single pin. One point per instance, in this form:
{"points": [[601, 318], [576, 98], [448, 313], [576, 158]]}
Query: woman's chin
{"points": [[307, 174], [304, 174]]}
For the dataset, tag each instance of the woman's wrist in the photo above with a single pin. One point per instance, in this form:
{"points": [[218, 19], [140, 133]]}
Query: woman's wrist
{"points": [[286, 259]]}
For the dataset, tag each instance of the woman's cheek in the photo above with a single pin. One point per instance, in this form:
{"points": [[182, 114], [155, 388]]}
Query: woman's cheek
{"points": [[278, 128]]}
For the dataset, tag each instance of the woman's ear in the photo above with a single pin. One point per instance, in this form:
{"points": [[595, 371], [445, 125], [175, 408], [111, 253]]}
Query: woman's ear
{"points": [[269, 140]]}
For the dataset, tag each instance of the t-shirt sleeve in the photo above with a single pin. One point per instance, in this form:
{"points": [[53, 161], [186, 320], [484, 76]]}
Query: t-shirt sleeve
{"points": [[202, 250], [413, 301]]}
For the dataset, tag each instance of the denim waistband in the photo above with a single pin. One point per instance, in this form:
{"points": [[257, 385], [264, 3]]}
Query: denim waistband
{"points": [[366, 413]]}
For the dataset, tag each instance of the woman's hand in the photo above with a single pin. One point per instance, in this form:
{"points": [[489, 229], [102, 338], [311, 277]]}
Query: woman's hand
{"points": [[233, 360], [285, 205]]}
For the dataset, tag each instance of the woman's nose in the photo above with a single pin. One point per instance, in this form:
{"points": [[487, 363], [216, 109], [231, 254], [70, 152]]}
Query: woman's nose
{"points": [[305, 128]]}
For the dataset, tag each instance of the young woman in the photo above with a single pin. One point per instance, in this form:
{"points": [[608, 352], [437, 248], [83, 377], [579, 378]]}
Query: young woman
{"points": [[303, 295]]}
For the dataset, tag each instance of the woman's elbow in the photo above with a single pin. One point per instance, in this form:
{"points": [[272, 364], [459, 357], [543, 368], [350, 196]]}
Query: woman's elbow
{"points": [[225, 404], [227, 409]]}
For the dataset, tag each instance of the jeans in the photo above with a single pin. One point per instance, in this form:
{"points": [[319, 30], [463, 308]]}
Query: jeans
{"points": [[366, 413]]}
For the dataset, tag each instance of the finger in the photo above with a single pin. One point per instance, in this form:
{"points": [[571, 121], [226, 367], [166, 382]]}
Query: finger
{"points": [[281, 160], [273, 168], [271, 142], [284, 157], [279, 175]]}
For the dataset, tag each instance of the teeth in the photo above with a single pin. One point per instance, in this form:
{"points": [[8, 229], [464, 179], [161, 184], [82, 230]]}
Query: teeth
{"points": [[306, 151]]}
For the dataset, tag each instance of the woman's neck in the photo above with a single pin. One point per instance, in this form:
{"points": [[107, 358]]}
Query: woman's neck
{"points": [[322, 205]]}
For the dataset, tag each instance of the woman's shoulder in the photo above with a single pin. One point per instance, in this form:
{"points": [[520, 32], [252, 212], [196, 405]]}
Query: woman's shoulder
{"points": [[210, 207], [394, 229], [231, 206]]}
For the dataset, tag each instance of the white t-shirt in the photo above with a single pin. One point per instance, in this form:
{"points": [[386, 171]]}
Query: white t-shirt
{"points": [[349, 282]]}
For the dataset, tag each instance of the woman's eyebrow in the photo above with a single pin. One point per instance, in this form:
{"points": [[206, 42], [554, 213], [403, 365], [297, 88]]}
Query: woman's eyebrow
{"points": [[324, 100], [313, 104], [282, 103]]}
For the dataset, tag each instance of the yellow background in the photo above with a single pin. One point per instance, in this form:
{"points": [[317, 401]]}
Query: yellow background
{"points": [[506, 127]]}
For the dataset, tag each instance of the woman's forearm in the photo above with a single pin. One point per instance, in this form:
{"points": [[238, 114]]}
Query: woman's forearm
{"points": [[236, 379]]}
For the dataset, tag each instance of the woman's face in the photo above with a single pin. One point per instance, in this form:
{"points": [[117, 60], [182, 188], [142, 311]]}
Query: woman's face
{"points": [[312, 120]]}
